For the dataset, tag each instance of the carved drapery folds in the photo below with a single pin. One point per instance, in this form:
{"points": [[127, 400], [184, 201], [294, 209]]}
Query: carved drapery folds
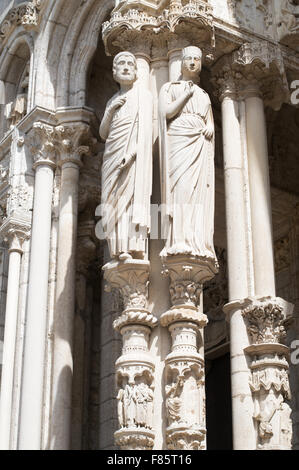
{"points": [[265, 320], [135, 368], [129, 27], [184, 366]]}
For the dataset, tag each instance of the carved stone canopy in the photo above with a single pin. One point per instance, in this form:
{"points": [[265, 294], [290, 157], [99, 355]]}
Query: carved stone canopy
{"points": [[131, 25]]}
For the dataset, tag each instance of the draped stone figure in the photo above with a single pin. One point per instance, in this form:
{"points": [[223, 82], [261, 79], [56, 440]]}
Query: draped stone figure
{"points": [[187, 162], [127, 163]]}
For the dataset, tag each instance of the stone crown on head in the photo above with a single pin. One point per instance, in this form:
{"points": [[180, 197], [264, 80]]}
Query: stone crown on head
{"points": [[187, 50]]}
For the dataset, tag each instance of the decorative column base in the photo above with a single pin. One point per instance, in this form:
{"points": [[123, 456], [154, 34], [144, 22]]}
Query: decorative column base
{"points": [[135, 368], [266, 319], [184, 366]]}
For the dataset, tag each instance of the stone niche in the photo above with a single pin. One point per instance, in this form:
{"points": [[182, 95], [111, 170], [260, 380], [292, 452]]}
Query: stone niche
{"points": [[14, 89]]}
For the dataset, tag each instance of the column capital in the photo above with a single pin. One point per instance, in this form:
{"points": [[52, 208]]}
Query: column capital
{"points": [[73, 140], [258, 302], [255, 69], [41, 142], [15, 230]]}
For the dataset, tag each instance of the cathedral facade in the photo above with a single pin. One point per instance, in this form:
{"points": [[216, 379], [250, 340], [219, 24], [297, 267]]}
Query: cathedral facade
{"points": [[149, 225]]}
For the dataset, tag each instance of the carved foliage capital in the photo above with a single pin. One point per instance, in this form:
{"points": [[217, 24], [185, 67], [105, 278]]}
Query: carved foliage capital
{"points": [[255, 69], [15, 231], [73, 141], [41, 142], [265, 322], [187, 274]]}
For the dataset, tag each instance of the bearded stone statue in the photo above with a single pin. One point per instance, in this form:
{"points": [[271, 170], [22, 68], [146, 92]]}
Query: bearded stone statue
{"points": [[127, 163]]}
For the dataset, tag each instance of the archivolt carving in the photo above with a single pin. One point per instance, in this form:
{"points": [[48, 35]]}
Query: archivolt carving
{"points": [[27, 16]]}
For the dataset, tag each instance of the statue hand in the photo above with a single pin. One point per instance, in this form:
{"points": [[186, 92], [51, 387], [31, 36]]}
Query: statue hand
{"points": [[117, 104], [189, 90], [208, 132], [127, 160]]}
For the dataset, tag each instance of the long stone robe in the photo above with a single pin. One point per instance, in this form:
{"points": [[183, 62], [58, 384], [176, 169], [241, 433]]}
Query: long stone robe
{"points": [[126, 193], [187, 173]]}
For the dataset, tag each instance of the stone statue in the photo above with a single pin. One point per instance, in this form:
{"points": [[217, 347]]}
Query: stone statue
{"points": [[187, 162], [127, 163]]}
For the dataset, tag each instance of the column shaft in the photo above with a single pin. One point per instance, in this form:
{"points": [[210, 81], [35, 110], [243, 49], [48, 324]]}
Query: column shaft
{"points": [[143, 69], [65, 307], [34, 351], [175, 64], [260, 199], [158, 289], [242, 405], [11, 315]]}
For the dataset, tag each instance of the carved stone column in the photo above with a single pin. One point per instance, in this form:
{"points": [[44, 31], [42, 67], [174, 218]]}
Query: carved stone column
{"points": [[238, 246], [251, 76], [43, 150], [72, 138], [184, 366], [15, 230], [265, 319], [135, 368]]}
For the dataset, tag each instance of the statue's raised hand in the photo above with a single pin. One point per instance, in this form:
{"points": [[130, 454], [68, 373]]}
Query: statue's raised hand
{"points": [[189, 90], [117, 103]]}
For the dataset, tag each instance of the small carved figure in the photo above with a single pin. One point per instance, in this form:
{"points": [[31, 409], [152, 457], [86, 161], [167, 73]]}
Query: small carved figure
{"points": [[173, 400]]}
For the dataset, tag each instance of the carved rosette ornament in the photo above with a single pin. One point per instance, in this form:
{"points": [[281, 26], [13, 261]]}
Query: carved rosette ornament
{"points": [[266, 319], [135, 368], [129, 27], [184, 366]]}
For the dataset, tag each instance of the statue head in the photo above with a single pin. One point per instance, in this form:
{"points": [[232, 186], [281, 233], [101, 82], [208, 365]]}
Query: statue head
{"points": [[191, 60], [125, 68]]}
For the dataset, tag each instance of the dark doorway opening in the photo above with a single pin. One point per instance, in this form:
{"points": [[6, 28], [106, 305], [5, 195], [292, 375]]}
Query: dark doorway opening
{"points": [[218, 404]]}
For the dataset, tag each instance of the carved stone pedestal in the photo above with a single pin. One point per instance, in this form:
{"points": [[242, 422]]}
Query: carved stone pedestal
{"points": [[135, 368], [184, 366], [266, 318]]}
